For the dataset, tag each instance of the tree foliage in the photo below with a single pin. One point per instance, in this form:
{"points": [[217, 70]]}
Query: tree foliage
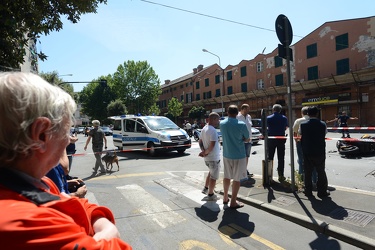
{"points": [[54, 78], [154, 110], [95, 98], [116, 107], [175, 108], [137, 85], [197, 113], [24, 20]]}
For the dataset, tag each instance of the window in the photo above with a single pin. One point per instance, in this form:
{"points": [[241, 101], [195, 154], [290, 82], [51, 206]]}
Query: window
{"points": [[130, 125], [188, 97], [187, 84], [209, 94], [217, 93], [312, 73], [243, 71], [342, 66], [260, 84], [259, 66], [230, 90], [207, 82], [311, 50], [181, 86], [342, 42], [197, 97], [197, 85], [217, 79], [181, 98], [278, 61], [229, 75], [244, 87], [279, 79]]}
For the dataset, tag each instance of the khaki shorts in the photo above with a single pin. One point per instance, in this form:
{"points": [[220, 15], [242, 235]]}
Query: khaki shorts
{"points": [[235, 169], [214, 169]]}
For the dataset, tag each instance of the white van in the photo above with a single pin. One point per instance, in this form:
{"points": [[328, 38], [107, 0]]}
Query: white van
{"points": [[149, 133]]}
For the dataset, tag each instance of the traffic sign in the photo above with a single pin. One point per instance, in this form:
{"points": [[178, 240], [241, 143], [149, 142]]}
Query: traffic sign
{"points": [[284, 30]]}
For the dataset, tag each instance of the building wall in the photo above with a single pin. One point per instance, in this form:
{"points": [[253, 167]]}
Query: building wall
{"points": [[266, 82]]}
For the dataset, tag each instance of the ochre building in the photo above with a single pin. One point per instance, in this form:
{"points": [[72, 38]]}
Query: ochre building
{"points": [[332, 67]]}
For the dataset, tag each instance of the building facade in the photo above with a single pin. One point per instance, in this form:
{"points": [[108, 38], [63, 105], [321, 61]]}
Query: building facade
{"points": [[332, 67]]}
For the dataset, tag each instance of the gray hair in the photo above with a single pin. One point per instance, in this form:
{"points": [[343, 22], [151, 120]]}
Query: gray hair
{"points": [[24, 97], [277, 108]]}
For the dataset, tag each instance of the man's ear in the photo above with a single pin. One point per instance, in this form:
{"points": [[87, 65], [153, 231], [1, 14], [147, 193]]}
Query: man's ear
{"points": [[38, 131]]}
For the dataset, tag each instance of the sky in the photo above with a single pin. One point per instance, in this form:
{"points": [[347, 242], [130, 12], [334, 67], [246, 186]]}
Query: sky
{"points": [[170, 34]]}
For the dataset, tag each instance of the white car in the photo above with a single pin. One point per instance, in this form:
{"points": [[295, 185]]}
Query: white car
{"points": [[255, 136]]}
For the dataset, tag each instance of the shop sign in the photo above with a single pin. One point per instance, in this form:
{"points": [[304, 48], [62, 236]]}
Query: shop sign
{"points": [[320, 100]]}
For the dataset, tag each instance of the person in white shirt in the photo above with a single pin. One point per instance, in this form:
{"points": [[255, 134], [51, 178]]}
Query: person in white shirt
{"points": [[244, 116], [210, 151]]}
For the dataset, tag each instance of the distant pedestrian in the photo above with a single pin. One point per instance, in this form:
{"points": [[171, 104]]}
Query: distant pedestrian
{"points": [[343, 121], [234, 133], [210, 150], [313, 142], [98, 137], [277, 124], [71, 148], [244, 116]]}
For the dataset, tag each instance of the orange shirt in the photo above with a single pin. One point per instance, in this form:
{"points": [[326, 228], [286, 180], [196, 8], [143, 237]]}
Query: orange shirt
{"points": [[59, 223]]}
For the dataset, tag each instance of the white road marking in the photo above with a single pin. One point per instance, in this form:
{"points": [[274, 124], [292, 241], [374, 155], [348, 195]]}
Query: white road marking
{"points": [[153, 208]]}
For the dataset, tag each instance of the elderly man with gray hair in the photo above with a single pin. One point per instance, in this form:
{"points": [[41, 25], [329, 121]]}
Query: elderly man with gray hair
{"points": [[34, 131]]}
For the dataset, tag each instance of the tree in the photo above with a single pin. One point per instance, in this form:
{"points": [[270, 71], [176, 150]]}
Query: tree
{"points": [[24, 20], [197, 113], [154, 110], [116, 108], [137, 85], [175, 108], [95, 98], [53, 78]]}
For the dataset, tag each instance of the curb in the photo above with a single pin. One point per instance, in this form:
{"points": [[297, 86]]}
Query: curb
{"points": [[310, 223]]}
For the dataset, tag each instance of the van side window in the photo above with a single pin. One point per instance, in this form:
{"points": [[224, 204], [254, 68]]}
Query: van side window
{"points": [[129, 125], [140, 126], [117, 125]]}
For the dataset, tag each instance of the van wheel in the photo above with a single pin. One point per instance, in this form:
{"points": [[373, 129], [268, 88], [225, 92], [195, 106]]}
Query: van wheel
{"points": [[151, 149]]}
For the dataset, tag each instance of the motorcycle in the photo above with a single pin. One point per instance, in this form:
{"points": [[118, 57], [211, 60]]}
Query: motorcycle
{"points": [[196, 134], [356, 147]]}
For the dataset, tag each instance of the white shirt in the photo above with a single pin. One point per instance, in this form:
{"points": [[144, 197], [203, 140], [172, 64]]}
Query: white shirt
{"points": [[208, 135], [247, 120], [188, 125]]}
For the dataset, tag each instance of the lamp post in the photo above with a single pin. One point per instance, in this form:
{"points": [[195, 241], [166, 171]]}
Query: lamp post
{"points": [[221, 82]]}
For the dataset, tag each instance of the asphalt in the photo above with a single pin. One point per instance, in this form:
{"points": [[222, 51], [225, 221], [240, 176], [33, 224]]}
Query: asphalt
{"points": [[347, 214]]}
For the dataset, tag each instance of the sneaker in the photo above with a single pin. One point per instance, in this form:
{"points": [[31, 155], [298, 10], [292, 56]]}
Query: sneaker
{"points": [[205, 190], [211, 198]]}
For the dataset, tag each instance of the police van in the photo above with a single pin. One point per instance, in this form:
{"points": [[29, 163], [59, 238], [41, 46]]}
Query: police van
{"points": [[149, 133]]}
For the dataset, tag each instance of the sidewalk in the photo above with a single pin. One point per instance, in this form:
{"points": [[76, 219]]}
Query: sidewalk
{"points": [[347, 215]]}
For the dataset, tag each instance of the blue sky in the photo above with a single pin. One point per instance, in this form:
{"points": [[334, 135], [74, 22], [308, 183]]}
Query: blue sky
{"points": [[171, 40]]}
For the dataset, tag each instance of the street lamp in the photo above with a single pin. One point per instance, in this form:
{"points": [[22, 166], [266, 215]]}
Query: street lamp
{"points": [[221, 82]]}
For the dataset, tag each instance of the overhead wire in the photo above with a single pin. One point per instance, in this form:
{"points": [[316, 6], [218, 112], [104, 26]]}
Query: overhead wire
{"points": [[213, 17]]}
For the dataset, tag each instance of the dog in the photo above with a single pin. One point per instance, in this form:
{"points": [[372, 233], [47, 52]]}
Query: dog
{"points": [[109, 158]]}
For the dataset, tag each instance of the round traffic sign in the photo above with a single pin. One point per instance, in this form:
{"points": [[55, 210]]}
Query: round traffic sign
{"points": [[284, 30]]}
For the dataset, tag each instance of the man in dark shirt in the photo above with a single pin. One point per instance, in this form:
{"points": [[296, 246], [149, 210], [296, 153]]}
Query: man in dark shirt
{"points": [[313, 142], [343, 121], [277, 124], [98, 137]]}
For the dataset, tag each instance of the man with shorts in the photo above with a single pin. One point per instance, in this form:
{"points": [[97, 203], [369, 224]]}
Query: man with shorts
{"points": [[244, 116], [234, 133], [209, 144]]}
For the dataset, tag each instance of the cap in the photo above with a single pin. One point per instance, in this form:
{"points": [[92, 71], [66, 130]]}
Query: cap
{"points": [[95, 122]]}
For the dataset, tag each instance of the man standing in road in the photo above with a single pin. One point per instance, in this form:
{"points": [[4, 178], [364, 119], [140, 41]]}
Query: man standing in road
{"points": [[277, 124], [97, 136], [209, 144], [313, 142], [234, 133], [244, 116]]}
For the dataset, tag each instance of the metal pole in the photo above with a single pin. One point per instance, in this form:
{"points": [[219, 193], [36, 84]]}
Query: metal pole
{"points": [[289, 106]]}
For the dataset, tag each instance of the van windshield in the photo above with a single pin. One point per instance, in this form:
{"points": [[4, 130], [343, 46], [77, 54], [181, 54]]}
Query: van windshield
{"points": [[160, 123]]}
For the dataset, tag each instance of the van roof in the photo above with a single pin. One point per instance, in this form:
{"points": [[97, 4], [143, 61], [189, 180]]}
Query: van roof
{"points": [[119, 117]]}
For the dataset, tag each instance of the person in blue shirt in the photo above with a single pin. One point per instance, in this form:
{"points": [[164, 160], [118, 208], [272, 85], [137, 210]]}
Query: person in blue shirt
{"points": [[234, 133], [277, 124]]}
